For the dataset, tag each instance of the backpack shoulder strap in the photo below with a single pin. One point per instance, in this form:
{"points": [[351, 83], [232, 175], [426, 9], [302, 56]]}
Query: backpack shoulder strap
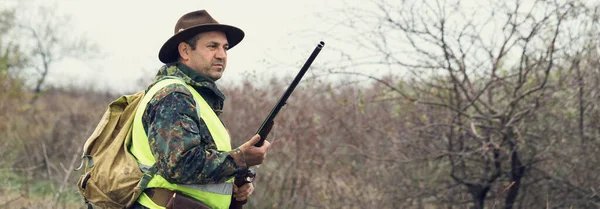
{"points": [[139, 143]]}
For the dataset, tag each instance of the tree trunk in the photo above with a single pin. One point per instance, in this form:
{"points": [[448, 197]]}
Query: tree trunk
{"points": [[517, 172], [478, 193]]}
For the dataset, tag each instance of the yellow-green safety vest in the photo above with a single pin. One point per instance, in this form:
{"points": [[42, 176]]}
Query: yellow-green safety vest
{"points": [[213, 195]]}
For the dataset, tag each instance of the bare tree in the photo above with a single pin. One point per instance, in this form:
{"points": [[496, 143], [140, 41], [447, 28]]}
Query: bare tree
{"points": [[49, 39], [488, 71]]}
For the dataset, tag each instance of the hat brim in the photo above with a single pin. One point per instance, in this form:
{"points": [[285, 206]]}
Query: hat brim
{"points": [[168, 52]]}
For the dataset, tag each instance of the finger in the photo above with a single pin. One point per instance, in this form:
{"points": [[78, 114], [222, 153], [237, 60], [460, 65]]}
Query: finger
{"points": [[242, 195], [266, 145], [243, 188], [251, 189], [250, 143], [254, 139], [244, 191], [238, 190]]}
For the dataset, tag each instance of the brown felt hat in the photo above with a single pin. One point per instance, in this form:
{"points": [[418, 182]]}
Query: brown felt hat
{"points": [[190, 25]]}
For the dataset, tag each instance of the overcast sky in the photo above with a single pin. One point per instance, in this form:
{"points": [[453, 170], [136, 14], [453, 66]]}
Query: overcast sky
{"points": [[130, 33], [280, 35]]}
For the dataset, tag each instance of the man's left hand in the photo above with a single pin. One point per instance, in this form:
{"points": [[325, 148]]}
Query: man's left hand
{"points": [[242, 193]]}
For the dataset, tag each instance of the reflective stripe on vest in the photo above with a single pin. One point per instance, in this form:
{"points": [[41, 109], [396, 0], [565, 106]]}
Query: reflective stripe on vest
{"points": [[213, 195]]}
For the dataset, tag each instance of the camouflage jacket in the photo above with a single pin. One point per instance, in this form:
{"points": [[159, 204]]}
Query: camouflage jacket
{"points": [[184, 150]]}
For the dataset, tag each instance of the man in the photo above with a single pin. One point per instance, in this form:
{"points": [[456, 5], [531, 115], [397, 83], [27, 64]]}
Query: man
{"points": [[179, 134]]}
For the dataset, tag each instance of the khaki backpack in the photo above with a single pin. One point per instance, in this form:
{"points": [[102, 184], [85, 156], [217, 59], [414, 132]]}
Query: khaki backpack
{"points": [[112, 177]]}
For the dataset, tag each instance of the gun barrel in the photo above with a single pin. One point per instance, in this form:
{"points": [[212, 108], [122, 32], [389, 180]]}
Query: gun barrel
{"points": [[264, 129]]}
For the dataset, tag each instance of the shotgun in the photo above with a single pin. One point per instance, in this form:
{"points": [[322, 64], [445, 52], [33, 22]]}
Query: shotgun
{"points": [[266, 126]]}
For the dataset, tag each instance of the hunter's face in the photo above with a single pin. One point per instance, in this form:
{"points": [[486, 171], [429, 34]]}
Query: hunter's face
{"points": [[210, 55]]}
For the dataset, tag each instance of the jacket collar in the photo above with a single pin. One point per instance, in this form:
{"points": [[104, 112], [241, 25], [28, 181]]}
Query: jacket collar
{"points": [[190, 76]]}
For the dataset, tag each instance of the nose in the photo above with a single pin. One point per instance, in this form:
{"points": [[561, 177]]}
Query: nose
{"points": [[221, 54]]}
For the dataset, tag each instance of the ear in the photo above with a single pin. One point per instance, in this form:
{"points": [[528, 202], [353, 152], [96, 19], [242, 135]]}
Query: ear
{"points": [[184, 51]]}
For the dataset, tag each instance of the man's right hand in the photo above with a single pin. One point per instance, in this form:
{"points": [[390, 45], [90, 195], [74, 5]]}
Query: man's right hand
{"points": [[254, 155]]}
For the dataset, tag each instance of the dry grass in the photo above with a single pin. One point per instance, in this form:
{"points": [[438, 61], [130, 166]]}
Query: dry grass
{"points": [[334, 147]]}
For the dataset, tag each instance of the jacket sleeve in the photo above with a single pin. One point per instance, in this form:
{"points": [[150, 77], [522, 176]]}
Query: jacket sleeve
{"points": [[184, 150]]}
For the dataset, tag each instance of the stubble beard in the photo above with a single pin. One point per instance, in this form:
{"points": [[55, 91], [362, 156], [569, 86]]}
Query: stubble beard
{"points": [[214, 74]]}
